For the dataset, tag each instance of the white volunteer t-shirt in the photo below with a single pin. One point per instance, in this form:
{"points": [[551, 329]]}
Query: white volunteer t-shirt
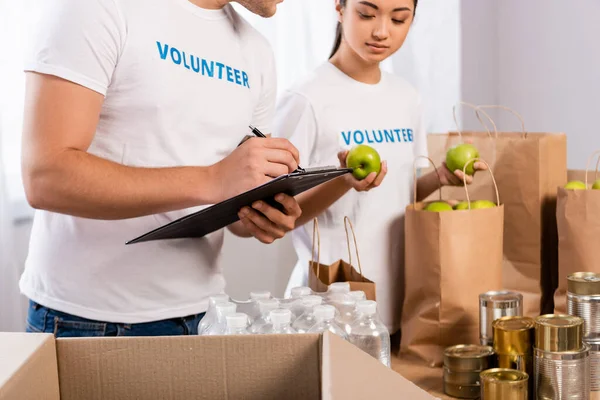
{"points": [[181, 86], [329, 112]]}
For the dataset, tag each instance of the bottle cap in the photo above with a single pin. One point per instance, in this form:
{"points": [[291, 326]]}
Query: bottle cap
{"points": [[237, 320], [219, 298], [311, 301], [339, 287], [260, 295], [358, 295], [281, 316], [367, 307], [343, 299], [300, 291], [267, 305], [324, 312]]}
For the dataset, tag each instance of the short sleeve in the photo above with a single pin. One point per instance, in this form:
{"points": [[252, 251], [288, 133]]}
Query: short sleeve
{"points": [[295, 120], [420, 147], [264, 111], [79, 41]]}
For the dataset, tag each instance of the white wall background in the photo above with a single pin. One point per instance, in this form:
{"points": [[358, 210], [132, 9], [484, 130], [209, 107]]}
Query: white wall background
{"points": [[540, 57]]}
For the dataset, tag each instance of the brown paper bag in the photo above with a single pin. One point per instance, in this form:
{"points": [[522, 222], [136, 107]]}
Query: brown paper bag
{"points": [[528, 168], [577, 215], [320, 276], [451, 258]]}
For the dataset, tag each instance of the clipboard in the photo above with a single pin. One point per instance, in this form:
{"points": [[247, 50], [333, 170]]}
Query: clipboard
{"points": [[220, 215]]}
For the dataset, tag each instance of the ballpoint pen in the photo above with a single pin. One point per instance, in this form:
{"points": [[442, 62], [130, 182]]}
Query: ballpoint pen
{"points": [[258, 133]]}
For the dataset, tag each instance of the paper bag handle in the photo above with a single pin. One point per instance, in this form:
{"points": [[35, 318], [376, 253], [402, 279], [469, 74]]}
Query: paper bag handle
{"points": [[465, 180], [415, 176], [477, 109], [346, 223], [516, 114], [587, 167], [317, 235]]}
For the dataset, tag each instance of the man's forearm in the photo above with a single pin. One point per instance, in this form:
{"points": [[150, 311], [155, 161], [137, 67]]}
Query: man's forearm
{"points": [[427, 184], [80, 184], [315, 201]]}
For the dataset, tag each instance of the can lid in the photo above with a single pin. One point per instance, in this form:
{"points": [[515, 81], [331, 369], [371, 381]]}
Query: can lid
{"points": [[514, 335], [468, 357], [558, 333], [506, 376], [503, 299], [584, 283]]}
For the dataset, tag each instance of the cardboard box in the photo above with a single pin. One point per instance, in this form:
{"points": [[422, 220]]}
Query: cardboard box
{"points": [[37, 366]]}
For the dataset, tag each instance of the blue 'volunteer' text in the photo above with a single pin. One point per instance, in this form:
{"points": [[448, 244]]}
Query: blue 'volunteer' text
{"points": [[378, 136]]}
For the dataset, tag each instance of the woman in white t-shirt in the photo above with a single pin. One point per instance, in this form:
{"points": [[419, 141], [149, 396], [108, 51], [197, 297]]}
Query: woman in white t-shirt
{"points": [[349, 101]]}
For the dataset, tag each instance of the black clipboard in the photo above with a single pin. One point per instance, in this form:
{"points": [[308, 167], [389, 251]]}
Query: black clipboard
{"points": [[220, 215]]}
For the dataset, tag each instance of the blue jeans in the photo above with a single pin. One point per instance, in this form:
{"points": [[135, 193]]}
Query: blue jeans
{"points": [[45, 320]]}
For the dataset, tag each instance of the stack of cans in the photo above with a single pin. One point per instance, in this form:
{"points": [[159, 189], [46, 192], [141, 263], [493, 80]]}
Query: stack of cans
{"points": [[462, 366], [583, 300], [495, 305], [513, 344], [504, 384], [562, 359]]}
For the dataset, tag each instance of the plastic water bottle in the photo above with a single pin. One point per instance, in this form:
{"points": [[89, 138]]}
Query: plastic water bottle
{"points": [[265, 307], [211, 314], [358, 295], [253, 311], [307, 319], [237, 324], [294, 302], [223, 310], [369, 334], [281, 320], [347, 312], [325, 316]]}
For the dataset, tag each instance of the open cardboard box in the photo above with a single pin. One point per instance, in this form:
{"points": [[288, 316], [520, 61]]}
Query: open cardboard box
{"points": [[40, 367]]}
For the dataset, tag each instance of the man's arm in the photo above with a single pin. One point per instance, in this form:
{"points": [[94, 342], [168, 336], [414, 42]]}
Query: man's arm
{"points": [[61, 176]]}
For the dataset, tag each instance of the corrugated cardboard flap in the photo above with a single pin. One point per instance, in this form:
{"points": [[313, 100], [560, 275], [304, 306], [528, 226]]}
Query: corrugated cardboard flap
{"points": [[350, 373], [196, 367], [28, 367]]}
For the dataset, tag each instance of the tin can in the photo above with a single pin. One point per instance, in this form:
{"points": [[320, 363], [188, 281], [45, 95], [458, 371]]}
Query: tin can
{"points": [[595, 369], [504, 384], [558, 333], [495, 305], [583, 300], [462, 366], [513, 344], [563, 375]]}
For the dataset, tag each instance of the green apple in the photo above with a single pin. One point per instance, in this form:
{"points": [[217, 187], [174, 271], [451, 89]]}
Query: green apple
{"points": [[457, 156], [575, 185], [363, 160], [463, 205], [596, 185], [438, 206], [482, 204]]}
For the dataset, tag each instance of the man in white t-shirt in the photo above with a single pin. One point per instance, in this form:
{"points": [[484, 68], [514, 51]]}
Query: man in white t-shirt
{"points": [[134, 112]]}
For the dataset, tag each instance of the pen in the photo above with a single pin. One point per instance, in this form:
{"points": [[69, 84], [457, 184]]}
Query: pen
{"points": [[258, 133]]}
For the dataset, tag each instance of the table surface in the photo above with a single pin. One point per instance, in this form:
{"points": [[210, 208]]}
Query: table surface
{"points": [[427, 378]]}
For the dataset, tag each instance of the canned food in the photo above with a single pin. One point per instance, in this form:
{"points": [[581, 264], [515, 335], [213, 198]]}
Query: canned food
{"points": [[504, 384], [558, 333], [595, 368], [564, 375], [470, 357], [513, 344], [583, 300], [514, 335], [462, 365], [495, 305]]}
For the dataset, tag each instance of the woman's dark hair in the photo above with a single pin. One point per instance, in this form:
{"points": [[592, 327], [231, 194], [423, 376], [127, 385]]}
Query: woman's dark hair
{"points": [[338, 30]]}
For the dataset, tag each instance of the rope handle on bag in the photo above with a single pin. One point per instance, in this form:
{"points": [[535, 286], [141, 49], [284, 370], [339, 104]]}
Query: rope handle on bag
{"points": [[516, 114], [587, 167], [312, 255], [346, 223], [472, 161], [477, 109], [415, 176]]}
